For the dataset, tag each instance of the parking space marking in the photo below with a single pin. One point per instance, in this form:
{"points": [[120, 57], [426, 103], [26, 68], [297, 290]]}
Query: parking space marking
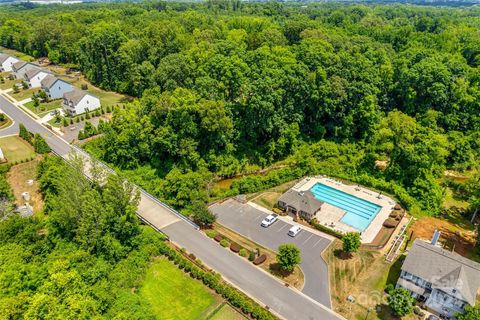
{"points": [[283, 227], [316, 243], [311, 235], [256, 218]]}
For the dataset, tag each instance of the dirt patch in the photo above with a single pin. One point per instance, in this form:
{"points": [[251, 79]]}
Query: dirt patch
{"points": [[460, 238], [268, 199], [18, 177], [363, 275]]}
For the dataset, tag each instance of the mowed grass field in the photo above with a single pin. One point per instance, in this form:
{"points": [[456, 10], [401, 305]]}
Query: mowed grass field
{"points": [[225, 312], [16, 149], [174, 295]]}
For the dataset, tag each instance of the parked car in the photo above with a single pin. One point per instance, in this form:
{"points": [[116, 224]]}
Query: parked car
{"points": [[433, 317], [269, 220], [294, 231]]}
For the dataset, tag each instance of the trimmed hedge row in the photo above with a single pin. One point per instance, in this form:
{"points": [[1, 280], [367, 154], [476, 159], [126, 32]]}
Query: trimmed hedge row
{"points": [[213, 280], [322, 228]]}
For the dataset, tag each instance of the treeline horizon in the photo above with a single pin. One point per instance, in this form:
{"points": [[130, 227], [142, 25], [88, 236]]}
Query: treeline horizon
{"points": [[227, 86]]}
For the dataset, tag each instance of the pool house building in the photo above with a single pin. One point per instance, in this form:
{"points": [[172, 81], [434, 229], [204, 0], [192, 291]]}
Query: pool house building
{"points": [[301, 203]]}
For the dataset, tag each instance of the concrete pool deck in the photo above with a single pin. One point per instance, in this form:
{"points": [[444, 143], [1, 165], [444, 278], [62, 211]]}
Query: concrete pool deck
{"points": [[330, 216]]}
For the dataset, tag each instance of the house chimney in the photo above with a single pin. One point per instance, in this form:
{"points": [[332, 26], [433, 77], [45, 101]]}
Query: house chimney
{"points": [[436, 236]]}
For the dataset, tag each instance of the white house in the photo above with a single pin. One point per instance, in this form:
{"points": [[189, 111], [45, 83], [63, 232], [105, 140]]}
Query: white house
{"points": [[55, 88], [6, 62], [21, 67], [77, 102], [35, 76], [444, 280]]}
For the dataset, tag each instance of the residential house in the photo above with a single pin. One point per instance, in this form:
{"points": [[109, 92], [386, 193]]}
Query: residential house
{"points": [[21, 67], [35, 76], [302, 203], [6, 62], [77, 102], [55, 88], [444, 280]]}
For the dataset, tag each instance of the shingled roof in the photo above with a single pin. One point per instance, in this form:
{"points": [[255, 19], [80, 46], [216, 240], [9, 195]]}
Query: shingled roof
{"points": [[3, 57], [18, 65], [444, 269], [75, 95], [48, 81], [33, 72], [301, 201]]}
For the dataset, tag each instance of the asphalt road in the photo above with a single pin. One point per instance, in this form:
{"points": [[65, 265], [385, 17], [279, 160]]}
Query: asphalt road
{"points": [[246, 220], [286, 302]]}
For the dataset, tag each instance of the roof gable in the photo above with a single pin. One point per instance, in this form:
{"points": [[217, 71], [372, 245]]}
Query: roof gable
{"points": [[304, 201], [444, 269]]}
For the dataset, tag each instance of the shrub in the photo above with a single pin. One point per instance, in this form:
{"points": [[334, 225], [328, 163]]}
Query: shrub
{"points": [[351, 242], [235, 247], [390, 223], [288, 256], [192, 256], [418, 311], [211, 233], [261, 259], [224, 243], [243, 252], [251, 256], [84, 86], [389, 288], [40, 145], [322, 228], [218, 238]]}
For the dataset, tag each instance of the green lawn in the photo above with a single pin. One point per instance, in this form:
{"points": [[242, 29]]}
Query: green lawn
{"points": [[7, 84], [174, 295], [107, 98], [16, 149], [227, 313], [44, 108], [5, 123], [24, 94]]}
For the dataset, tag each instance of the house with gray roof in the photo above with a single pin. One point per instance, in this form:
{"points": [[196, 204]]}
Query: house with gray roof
{"points": [[444, 280], [76, 102], [21, 67], [302, 203], [6, 62], [54, 87], [35, 76]]}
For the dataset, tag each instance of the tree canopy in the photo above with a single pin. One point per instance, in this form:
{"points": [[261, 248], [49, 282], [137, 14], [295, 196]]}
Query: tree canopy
{"points": [[227, 86]]}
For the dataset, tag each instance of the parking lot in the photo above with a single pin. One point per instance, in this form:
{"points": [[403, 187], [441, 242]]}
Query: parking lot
{"points": [[246, 220]]}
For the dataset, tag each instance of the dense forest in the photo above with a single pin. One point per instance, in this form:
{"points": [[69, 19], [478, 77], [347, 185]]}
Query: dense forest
{"points": [[81, 259], [227, 87]]}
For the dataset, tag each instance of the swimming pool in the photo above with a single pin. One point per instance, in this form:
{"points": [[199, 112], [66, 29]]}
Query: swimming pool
{"points": [[359, 212]]}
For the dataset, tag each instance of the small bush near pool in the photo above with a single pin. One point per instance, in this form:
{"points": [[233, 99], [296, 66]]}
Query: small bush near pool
{"points": [[224, 243], [235, 247], [218, 238], [243, 252], [211, 233], [251, 257], [261, 259]]}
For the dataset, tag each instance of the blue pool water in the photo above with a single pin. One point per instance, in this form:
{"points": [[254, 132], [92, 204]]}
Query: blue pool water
{"points": [[359, 212]]}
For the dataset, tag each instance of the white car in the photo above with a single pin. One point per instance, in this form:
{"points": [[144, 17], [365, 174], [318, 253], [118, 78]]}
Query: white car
{"points": [[294, 231], [269, 220]]}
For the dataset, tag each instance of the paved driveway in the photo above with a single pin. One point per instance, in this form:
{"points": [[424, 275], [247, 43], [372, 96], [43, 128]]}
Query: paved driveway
{"points": [[246, 219]]}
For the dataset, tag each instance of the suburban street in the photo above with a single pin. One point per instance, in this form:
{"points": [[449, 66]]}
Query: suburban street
{"points": [[246, 220], [284, 301]]}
